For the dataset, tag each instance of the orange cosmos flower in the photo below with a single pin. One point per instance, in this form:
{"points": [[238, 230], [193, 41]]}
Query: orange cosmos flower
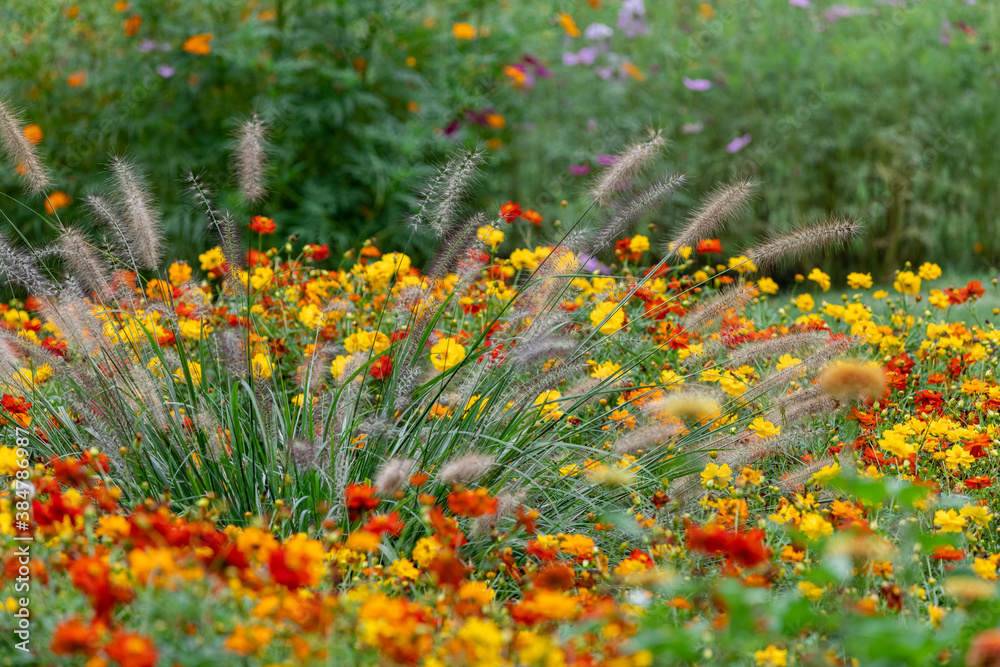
{"points": [[56, 201], [263, 225], [132, 650], [472, 503], [199, 44], [33, 133], [72, 637], [464, 31], [76, 79], [132, 25], [532, 216]]}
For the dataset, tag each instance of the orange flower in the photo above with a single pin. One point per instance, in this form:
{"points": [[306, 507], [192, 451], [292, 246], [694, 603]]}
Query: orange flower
{"points": [[569, 25], [56, 201], [359, 498], [72, 636], [131, 650], [33, 133], [532, 216], [132, 25], [199, 44], [464, 31], [121, 6], [472, 503], [76, 79], [263, 225]]}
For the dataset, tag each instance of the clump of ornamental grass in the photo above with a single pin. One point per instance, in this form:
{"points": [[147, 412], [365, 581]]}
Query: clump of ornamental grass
{"points": [[281, 382]]}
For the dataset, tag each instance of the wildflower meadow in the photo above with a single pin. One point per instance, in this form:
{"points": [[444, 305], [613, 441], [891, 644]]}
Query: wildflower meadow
{"points": [[621, 428]]}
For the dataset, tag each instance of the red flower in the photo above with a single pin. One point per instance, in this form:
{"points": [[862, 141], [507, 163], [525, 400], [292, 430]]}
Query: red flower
{"points": [[72, 636], [946, 552], [359, 499], [929, 401], [384, 523], [746, 549], [132, 650], [510, 212], [472, 503], [981, 482], [536, 549], [706, 246], [318, 252], [262, 225], [382, 368], [534, 217]]}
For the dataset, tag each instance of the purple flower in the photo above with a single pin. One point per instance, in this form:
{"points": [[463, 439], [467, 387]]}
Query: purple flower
{"points": [[587, 55], [570, 58], [607, 159], [692, 128], [146, 45], [697, 84], [632, 18], [166, 71], [452, 127], [738, 144], [579, 169], [592, 264], [799, 3], [540, 69], [598, 31]]}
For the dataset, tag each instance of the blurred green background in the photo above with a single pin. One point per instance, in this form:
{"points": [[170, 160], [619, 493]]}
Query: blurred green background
{"points": [[884, 110]]}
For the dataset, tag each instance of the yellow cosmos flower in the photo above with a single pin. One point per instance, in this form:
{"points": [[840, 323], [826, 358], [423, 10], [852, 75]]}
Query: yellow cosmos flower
{"points": [[609, 311], [859, 280], [446, 353], [767, 286], [720, 475], [820, 279], [906, 283]]}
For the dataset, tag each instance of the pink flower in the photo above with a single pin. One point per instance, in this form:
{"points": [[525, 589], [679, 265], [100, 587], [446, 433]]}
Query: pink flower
{"points": [[697, 84], [738, 144], [799, 3]]}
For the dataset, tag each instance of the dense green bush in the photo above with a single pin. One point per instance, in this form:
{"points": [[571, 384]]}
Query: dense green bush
{"points": [[884, 112]]}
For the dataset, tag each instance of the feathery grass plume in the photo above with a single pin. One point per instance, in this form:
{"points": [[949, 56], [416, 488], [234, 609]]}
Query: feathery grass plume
{"points": [[105, 215], [791, 246], [799, 405], [465, 469], [20, 269], [687, 404], [20, 151], [394, 475], [724, 204], [441, 200], [141, 220], [732, 298], [148, 394], [530, 389], [250, 159], [645, 438], [221, 221], [628, 164], [631, 210], [74, 317], [306, 454], [507, 503], [83, 262], [801, 475], [460, 241], [748, 353], [540, 348], [853, 380], [749, 450], [612, 477]]}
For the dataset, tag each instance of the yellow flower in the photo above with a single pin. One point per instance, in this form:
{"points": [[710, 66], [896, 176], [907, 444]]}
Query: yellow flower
{"points": [[820, 279], [339, 365], [950, 521], [772, 656], [446, 353], [957, 457], [985, 569], [179, 273], [464, 31], [767, 286], [825, 474], [976, 513], [576, 544], [638, 243], [764, 428], [610, 311], [311, 315], [490, 236], [605, 370], [742, 264], [403, 569], [906, 283], [879, 294], [261, 366], [194, 369], [523, 259], [212, 259], [720, 475], [859, 280], [804, 302], [810, 590], [936, 614], [194, 329], [569, 25], [815, 526], [787, 361], [363, 341], [929, 271], [895, 443]]}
